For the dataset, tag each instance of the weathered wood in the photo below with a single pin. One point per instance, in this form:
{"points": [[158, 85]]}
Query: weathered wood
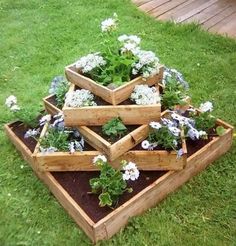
{"points": [[115, 96], [50, 108], [148, 197], [99, 115], [118, 148]]}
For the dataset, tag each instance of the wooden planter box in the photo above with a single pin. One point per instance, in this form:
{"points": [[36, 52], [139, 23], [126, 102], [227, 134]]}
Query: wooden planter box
{"points": [[99, 115], [145, 199], [115, 96]]}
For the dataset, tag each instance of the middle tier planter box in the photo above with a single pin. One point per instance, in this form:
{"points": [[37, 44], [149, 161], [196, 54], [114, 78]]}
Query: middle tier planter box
{"points": [[129, 113], [115, 96]]}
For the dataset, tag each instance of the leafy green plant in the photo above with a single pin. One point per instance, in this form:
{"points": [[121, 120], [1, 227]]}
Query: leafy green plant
{"points": [[111, 183], [56, 138], [60, 93], [163, 138], [114, 128], [174, 94], [204, 121]]}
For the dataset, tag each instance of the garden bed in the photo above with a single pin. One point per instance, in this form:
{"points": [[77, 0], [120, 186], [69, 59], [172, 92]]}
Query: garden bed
{"points": [[115, 96], [127, 111], [70, 188]]}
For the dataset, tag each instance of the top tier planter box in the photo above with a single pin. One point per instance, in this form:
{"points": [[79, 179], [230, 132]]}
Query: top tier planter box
{"points": [[115, 96]]}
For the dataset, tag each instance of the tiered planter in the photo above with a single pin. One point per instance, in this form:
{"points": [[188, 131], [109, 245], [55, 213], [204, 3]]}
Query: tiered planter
{"points": [[100, 114], [115, 96], [164, 184]]}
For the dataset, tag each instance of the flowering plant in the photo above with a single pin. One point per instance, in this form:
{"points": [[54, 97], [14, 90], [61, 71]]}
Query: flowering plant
{"points": [[114, 128], [120, 59], [59, 87], [175, 89], [27, 116], [145, 95], [79, 98], [57, 137], [112, 183], [164, 135]]}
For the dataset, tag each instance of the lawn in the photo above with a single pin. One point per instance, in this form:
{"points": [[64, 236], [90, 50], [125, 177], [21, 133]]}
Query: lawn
{"points": [[38, 38]]}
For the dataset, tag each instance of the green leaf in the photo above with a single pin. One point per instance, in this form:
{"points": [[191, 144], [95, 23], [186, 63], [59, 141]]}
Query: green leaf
{"points": [[220, 130], [105, 199]]}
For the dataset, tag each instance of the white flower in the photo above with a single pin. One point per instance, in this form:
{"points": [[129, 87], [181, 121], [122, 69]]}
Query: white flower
{"points": [[175, 143], [202, 133], [145, 95], [50, 149], [174, 130], [145, 144], [79, 98], [129, 39], [45, 119], [131, 171], [11, 101], [205, 107], [155, 125], [99, 158], [89, 62], [168, 122], [109, 24], [31, 133], [193, 133], [15, 108], [71, 146]]}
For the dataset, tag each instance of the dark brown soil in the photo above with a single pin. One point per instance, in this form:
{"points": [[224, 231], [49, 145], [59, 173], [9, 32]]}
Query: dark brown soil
{"points": [[98, 130], [77, 185], [53, 101], [20, 129], [194, 146]]}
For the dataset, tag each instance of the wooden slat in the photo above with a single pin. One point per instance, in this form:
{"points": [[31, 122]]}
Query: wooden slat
{"points": [[148, 6]]}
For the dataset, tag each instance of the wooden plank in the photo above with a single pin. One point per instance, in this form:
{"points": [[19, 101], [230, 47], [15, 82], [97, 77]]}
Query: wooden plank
{"points": [[195, 10], [166, 7], [209, 12], [156, 192], [112, 96], [226, 26], [150, 5]]}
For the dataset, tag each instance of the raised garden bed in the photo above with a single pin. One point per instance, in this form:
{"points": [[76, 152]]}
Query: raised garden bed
{"points": [[115, 96], [70, 188], [129, 113]]}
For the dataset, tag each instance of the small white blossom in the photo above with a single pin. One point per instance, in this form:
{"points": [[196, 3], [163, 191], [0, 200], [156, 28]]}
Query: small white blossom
{"points": [[180, 152], [99, 158], [131, 171], [79, 98], [11, 101], [155, 125], [145, 144], [145, 95], [89, 62], [206, 107], [49, 150], [71, 146], [45, 119], [132, 39], [193, 133], [174, 130], [31, 133], [21, 166], [15, 108], [109, 24]]}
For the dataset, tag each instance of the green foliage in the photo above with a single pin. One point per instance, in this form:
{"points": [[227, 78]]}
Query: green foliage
{"points": [[28, 117], [173, 94], [109, 185], [220, 130], [114, 128], [204, 121], [60, 92], [163, 138], [56, 138]]}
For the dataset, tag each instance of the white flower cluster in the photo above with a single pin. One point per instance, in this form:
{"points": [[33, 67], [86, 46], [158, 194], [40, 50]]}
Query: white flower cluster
{"points": [[76, 145], [131, 171], [50, 149], [109, 24], [145, 95], [79, 98], [147, 65], [31, 133], [206, 107], [130, 43], [11, 102], [99, 158], [45, 119], [87, 63]]}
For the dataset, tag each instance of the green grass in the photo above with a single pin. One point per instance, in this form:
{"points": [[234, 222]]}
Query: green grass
{"points": [[38, 38]]}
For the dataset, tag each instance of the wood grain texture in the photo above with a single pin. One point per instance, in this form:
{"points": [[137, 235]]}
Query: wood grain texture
{"points": [[218, 16], [114, 97]]}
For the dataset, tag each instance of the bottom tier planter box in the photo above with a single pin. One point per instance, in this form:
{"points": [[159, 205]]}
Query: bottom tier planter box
{"points": [[102, 223]]}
